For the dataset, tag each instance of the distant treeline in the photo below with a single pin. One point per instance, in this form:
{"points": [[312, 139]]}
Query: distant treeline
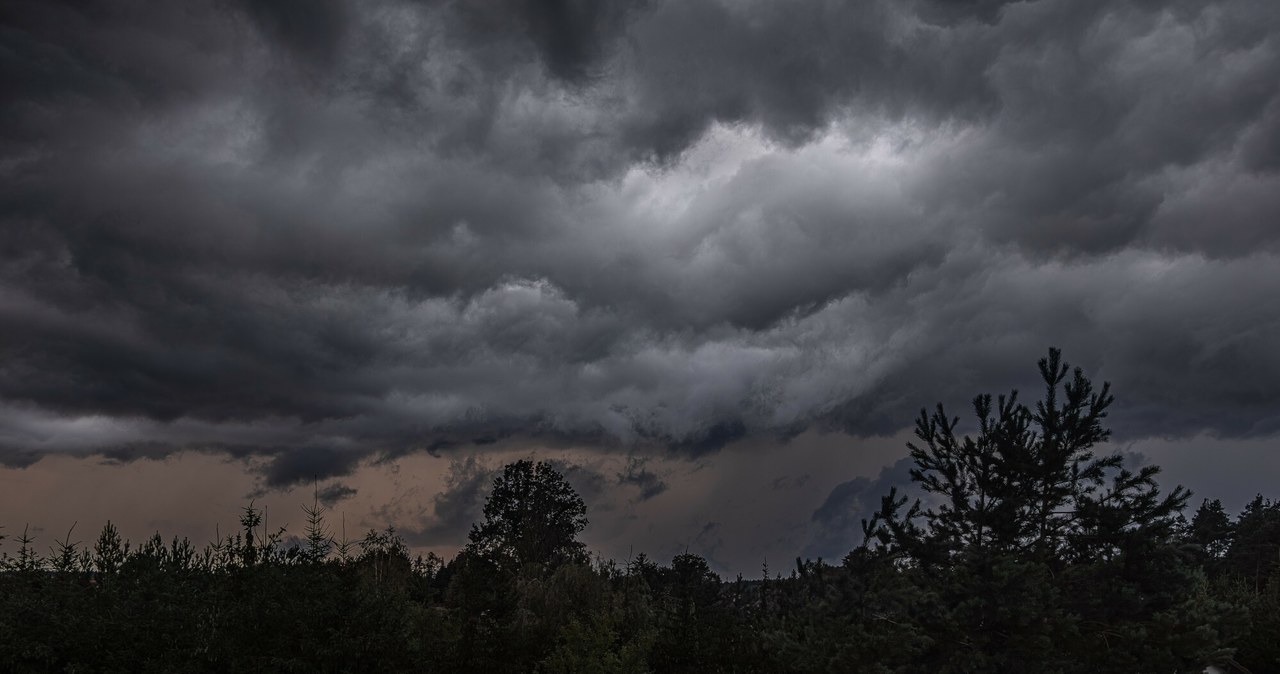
{"points": [[1029, 554]]}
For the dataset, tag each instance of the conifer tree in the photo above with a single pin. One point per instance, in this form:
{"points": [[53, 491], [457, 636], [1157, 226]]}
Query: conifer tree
{"points": [[319, 541], [1255, 550], [1030, 541]]}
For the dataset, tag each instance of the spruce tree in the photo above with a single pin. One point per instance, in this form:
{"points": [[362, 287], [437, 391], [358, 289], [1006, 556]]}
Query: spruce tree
{"points": [[1032, 550]]}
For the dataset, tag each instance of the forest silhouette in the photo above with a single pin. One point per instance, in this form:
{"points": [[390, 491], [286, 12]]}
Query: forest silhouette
{"points": [[1029, 552]]}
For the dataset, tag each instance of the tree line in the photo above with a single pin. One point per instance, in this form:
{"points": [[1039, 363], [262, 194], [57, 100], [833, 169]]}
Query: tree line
{"points": [[1029, 552]]}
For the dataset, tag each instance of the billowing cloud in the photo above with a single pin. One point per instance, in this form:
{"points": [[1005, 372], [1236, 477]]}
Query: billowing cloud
{"points": [[447, 517], [317, 233], [836, 526]]}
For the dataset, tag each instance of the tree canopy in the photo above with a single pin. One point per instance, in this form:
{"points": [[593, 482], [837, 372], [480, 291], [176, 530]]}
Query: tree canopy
{"points": [[532, 516], [1031, 550]]}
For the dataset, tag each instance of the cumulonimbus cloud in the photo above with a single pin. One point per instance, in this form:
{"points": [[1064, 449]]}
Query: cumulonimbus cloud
{"points": [[398, 226]]}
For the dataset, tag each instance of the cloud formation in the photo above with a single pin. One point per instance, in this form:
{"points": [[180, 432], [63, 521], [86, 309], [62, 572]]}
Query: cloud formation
{"points": [[637, 474], [316, 231], [836, 526], [334, 494]]}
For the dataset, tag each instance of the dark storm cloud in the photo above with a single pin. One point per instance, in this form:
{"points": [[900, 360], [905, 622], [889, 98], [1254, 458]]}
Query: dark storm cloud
{"points": [[569, 37], [335, 493], [453, 510], [323, 231], [297, 465], [790, 68], [588, 482], [636, 474], [311, 29], [837, 523]]}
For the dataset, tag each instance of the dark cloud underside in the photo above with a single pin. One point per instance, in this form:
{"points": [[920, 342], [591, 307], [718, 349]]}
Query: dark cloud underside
{"points": [[323, 230]]}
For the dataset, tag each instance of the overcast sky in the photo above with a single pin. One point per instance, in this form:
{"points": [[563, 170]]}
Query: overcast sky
{"points": [[696, 250]]}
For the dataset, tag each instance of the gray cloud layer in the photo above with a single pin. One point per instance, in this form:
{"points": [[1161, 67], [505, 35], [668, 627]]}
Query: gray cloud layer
{"points": [[837, 523], [319, 230]]}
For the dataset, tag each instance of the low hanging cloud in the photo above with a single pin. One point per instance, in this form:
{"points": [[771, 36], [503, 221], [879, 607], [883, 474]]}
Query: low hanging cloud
{"points": [[319, 233], [836, 526], [637, 474], [335, 493], [446, 517]]}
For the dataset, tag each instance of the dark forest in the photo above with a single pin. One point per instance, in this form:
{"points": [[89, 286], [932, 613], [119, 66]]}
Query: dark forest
{"points": [[1030, 552]]}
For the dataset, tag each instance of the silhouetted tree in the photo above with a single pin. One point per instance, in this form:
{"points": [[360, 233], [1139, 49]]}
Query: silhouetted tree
{"points": [[532, 516], [1255, 549], [1030, 553], [1034, 549]]}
